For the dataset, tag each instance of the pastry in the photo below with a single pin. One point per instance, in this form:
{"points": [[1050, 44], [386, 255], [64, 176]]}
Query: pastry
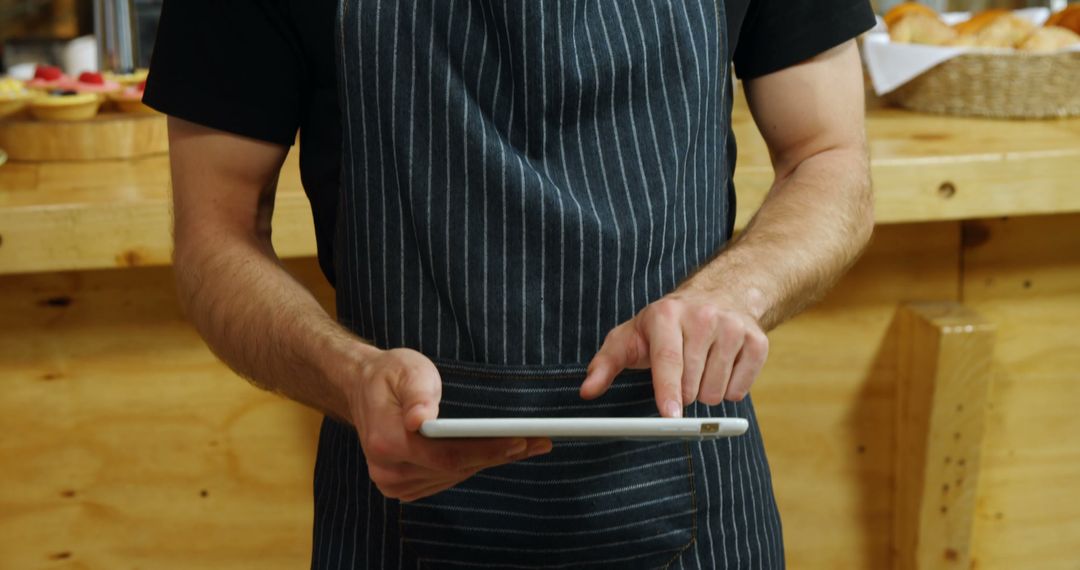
{"points": [[65, 105], [978, 21], [1068, 18], [920, 28], [93, 82], [1052, 38], [966, 40], [127, 79], [130, 100], [13, 96], [1004, 31], [47, 78], [904, 9]]}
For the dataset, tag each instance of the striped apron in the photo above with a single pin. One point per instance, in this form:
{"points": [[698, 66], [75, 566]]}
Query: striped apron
{"points": [[519, 177]]}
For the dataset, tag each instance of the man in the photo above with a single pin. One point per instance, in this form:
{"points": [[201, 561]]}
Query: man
{"points": [[525, 209]]}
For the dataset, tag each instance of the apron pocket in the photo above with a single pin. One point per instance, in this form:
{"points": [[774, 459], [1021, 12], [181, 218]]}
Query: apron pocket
{"points": [[587, 503]]}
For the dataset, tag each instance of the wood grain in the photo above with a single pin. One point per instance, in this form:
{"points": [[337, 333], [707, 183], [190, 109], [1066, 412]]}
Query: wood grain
{"points": [[78, 215], [109, 135], [1024, 275], [944, 366], [925, 168], [129, 445], [932, 168], [826, 400], [128, 418]]}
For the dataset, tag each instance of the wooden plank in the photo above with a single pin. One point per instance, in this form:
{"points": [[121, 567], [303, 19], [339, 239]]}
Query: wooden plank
{"points": [[101, 214], [935, 168], [826, 400], [925, 168], [1024, 275], [124, 418], [129, 445], [944, 375]]}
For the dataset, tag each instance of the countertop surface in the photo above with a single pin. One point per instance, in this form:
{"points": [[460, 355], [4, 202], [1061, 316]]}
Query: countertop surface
{"points": [[90, 215]]}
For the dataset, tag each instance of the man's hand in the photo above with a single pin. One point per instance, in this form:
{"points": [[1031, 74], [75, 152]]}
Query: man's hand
{"points": [[269, 328], [698, 349], [396, 391]]}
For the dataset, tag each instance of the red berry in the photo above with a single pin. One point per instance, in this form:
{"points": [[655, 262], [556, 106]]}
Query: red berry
{"points": [[91, 77], [48, 73]]}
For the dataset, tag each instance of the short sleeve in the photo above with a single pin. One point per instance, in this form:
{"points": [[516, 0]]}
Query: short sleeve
{"points": [[230, 65], [780, 33]]}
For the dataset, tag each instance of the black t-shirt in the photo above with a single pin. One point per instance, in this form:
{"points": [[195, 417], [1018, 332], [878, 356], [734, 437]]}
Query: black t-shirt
{"points": [[268, 69]]}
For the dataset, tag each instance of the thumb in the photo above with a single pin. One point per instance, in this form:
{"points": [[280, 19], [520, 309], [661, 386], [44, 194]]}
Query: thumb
{"points": [[419, 393]]}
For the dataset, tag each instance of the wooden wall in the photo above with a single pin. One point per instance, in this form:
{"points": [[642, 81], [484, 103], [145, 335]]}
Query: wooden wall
{"points": [[127, 445], [1024, 274], [825, 400]]}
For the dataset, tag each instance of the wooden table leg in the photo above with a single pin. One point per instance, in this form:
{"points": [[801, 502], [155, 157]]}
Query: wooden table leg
{"points": [[943, 380]]}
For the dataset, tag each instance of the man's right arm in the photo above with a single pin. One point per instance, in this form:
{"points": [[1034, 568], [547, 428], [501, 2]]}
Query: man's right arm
{"points": [[268, 327], [251, 312]]}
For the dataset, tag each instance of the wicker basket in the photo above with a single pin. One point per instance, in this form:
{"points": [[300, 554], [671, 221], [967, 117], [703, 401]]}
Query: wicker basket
{"points": [[1008, 85]]}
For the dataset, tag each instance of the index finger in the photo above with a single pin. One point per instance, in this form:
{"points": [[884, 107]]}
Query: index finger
{"points": [[666, 357]]}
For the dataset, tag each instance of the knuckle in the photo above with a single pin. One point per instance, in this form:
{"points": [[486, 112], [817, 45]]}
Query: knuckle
{"points": [[378, 445], [708, 315], [762, 342], [632, 354], [666, 308], [667, 355], [733, 325], [690, 391], [711, 398]]}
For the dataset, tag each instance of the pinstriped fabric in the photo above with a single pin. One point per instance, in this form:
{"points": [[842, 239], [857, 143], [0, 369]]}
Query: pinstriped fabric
{"points": [[632, 168], [519, 177], [595, 504]]}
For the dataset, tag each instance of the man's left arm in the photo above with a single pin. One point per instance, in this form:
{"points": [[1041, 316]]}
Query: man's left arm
{"points": [[705, 341]]}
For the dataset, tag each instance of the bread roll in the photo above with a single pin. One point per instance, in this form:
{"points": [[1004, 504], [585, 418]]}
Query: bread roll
{"points": [[1005, 31], [902, 10], [967, 40], [1068, 18], [919, 28], [1050, 39], [978, 21]]}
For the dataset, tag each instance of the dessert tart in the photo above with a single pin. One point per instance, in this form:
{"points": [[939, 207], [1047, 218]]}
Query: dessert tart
{"points": [[93, 82], [127, 79], [130, 100], [65, 105], [47, 78], [14, 96]]}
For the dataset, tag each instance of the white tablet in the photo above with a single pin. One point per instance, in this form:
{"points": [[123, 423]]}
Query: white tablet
{"points": [[587, 428]]}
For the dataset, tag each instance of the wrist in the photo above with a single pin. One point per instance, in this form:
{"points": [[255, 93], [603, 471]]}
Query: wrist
{"points": [[732, 295], [341, 363]]}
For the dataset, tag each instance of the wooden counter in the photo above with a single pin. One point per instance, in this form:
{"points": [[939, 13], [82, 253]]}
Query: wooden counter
{"points": [[128, 445], [91, 215]]}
